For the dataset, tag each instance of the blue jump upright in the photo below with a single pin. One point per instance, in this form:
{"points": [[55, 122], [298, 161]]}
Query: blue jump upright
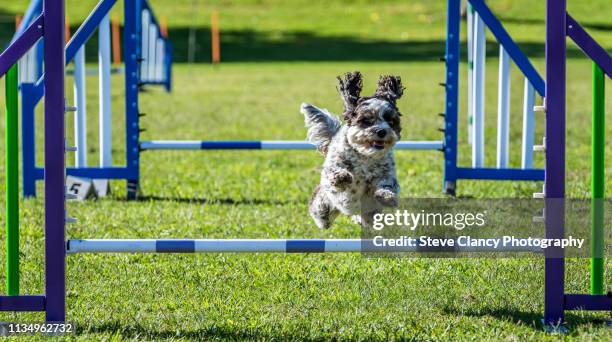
{"points": [[149, 63], [452, 171], [158, 62]]}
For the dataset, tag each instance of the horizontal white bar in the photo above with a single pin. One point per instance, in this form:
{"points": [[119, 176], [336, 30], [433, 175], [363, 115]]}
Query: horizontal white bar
{"points": [[257, 246], [266, 145], [170, 145]]}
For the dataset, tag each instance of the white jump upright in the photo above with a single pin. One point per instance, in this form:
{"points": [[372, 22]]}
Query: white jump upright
{"points": [[159, 60], [28, 66], [528, 125], [146, 20], [104, 61], [478, 95], [503, 109], [80, 115], [151, 59], [105, 103], [470, 69]]}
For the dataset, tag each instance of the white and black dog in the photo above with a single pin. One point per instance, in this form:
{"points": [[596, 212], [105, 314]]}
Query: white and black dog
{"points": [[358, 176]]}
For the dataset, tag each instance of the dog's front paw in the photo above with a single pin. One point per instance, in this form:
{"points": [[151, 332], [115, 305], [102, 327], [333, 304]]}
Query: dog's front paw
{"points": [[386, 197], [341, 179]]}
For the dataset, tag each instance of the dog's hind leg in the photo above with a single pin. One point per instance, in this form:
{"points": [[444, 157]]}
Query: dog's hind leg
{"points": [[321, 209]]}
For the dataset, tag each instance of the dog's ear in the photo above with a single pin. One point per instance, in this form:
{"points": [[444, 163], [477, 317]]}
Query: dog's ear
{"points": [[349, 88], [389, 88]]}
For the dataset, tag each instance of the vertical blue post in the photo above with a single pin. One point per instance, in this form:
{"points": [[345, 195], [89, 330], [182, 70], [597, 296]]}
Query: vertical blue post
{"points": [[168, 67], [55, 211], [40, 47], [28, 139], [554, 181], [132, 57], [452, 96]]}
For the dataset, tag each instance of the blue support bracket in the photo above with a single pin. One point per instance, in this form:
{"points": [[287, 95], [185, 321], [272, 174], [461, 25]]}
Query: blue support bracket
{"points": [[500, 174], [22, 303]]}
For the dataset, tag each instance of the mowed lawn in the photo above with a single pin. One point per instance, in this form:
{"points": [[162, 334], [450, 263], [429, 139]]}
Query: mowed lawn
{"points": [[264, 194]]}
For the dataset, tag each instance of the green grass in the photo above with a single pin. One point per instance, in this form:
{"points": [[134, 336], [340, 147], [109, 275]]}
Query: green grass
{"points": [[264, 194]]}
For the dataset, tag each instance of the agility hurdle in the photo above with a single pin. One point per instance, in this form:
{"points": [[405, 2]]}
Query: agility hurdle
{"points": [[50, 26], [265, 145], [150, 60], [156, 62], [267, 246], [479, 18]]}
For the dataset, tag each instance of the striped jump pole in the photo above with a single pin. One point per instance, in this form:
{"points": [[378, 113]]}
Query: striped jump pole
{"points": [[12, 182], [597, 181], [478, 95], [265, 246], [265, 145]]}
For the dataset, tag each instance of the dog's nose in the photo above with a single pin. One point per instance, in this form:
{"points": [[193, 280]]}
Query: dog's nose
{"points": [[381, 133]]}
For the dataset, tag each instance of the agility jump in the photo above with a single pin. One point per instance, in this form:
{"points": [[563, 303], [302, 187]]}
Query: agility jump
{"points": [[154, 64], [49, 25]]}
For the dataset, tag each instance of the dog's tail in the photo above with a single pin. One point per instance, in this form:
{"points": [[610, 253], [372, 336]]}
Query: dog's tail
{"points": [[321, 124]]}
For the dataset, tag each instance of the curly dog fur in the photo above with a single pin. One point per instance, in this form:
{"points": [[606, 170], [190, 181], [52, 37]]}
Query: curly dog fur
{"points": [[358, 177]]}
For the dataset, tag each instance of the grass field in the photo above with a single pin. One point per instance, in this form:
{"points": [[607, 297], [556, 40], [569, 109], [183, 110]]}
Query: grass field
{"points": [[276, 55]]}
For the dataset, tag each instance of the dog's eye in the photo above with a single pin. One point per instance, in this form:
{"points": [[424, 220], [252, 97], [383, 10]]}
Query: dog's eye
{"points": [[387, 116], [367, 122]]}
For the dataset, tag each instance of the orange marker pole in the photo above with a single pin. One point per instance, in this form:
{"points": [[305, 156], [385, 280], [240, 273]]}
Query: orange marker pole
{"points": [[163, 27], [67, 28], [116, 39], [18, 19], [214, 31]]}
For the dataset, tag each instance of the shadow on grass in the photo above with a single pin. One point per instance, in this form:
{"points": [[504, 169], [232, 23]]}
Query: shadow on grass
{"points": [[206, 333], [532, 319], [223, 201], [309, 46], [542, 22], [250, 45]]}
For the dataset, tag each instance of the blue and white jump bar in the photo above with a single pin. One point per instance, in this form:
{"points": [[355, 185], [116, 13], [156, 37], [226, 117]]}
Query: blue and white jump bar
{"points": [[265, 145], [261, 246]]}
